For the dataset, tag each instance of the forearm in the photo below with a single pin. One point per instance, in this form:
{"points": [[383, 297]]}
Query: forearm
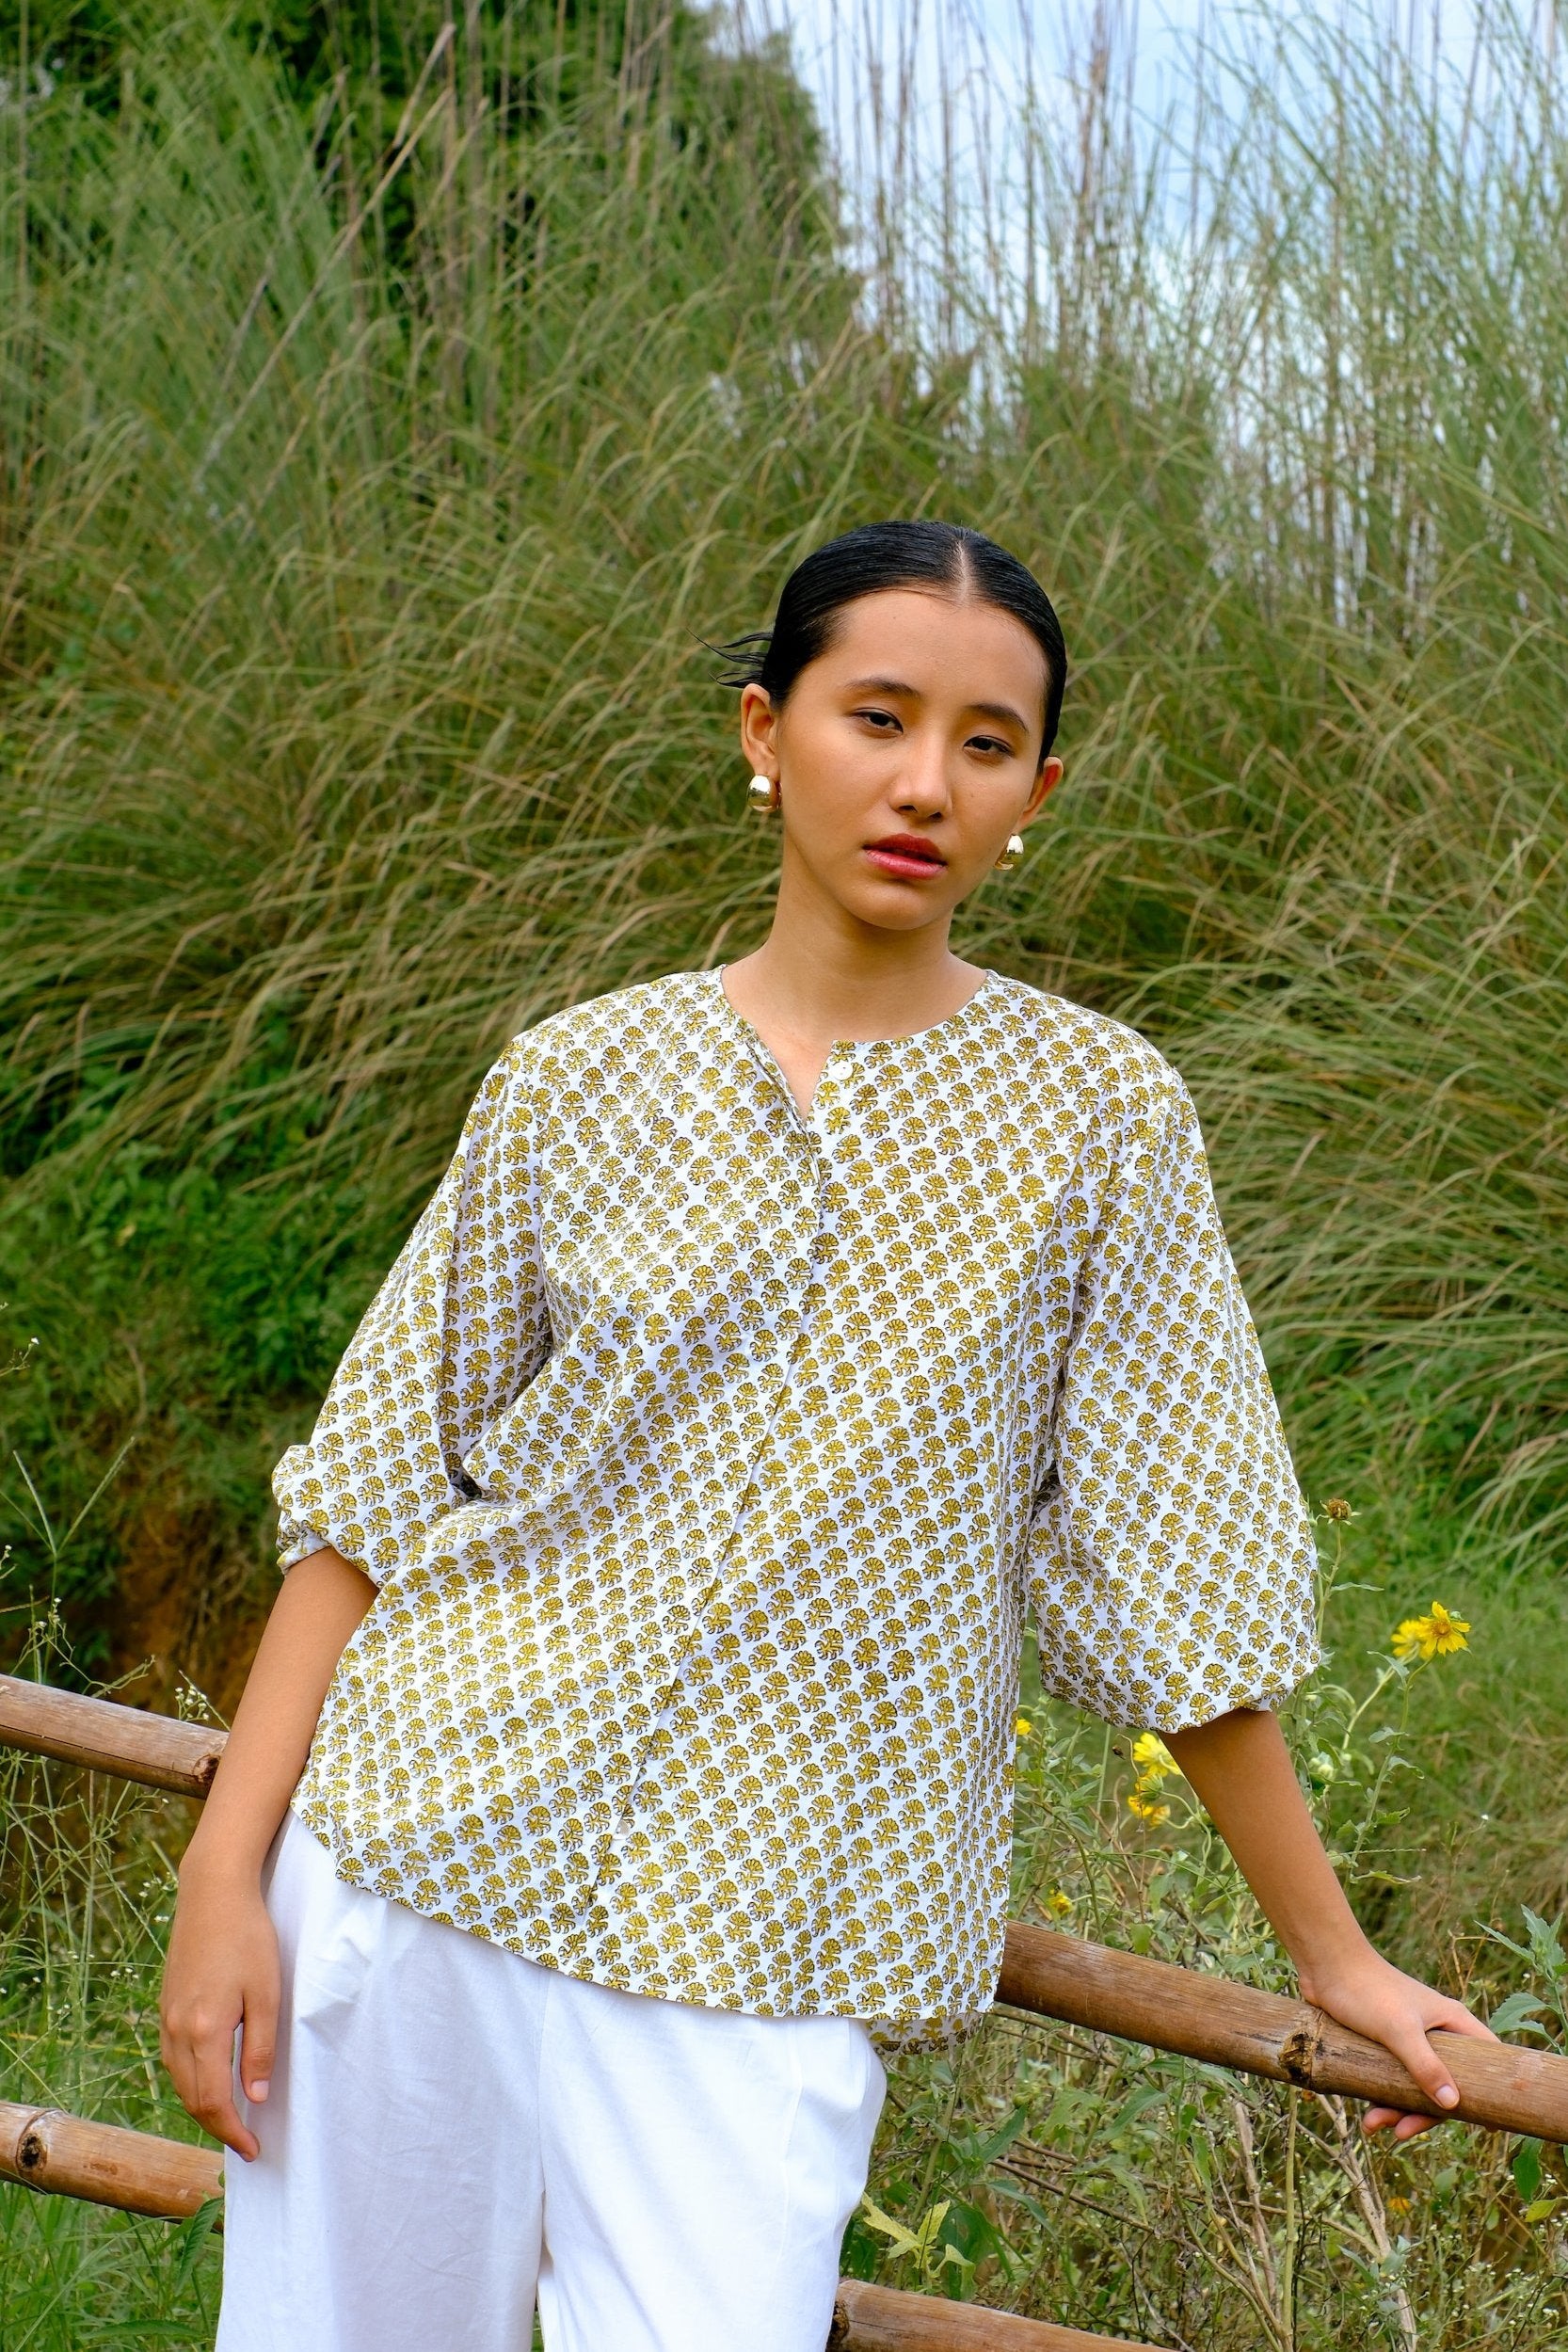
{"points": [[1240, 1768], [322, 1600]]}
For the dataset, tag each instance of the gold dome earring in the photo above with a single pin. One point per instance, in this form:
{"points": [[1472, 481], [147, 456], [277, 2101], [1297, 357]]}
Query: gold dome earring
{"points": [[762, 796], [1012, 853]]}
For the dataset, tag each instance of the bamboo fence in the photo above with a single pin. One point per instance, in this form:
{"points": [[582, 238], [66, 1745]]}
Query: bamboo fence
{"points": [[1042, 1971], [172, 2180]]}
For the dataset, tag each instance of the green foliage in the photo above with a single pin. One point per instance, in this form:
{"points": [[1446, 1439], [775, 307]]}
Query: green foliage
{"points": [[354, 708], [1038, 2169], [480, 376], [87, 1887]]}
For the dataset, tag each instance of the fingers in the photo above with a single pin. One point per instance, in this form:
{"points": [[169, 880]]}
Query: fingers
{"points": [[213, 2106], [1428, 2065], [199, 2056], [222, 1977], [1421, 2059], [1405, 2125], [259, 2039], [1386, 2006], [1456, 2019]]}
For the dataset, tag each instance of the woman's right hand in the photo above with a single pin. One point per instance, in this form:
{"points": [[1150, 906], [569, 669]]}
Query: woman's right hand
{"points": [[222, 1973]]}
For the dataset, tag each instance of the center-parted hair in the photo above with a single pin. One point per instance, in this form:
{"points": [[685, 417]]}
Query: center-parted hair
{"points": [[945, 557]]}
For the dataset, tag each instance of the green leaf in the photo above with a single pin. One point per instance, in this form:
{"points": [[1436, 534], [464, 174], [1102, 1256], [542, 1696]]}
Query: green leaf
{"points": [[859, 2255], [1516, 2015], [1545, 1950], [1526, 2168], [986, 2151], [904, 2241], [966, 2232], [199, 2229]]}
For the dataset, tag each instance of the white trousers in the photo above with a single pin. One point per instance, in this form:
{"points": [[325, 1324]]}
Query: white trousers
{"points": [[452, 2131]]}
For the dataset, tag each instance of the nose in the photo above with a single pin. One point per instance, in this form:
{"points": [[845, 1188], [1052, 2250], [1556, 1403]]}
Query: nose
{"points": [[922, 788]]}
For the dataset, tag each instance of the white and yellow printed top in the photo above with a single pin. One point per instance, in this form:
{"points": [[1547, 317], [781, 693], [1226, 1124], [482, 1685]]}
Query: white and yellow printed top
{"points": [[708, 1457]]}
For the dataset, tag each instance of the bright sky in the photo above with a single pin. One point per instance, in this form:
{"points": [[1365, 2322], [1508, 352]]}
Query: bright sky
{"points": [[890, 61], [834, 39]]}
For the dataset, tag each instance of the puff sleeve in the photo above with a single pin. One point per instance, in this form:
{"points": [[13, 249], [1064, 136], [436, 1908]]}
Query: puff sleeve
{"points": [[1169, 1557], [459, 1327]]}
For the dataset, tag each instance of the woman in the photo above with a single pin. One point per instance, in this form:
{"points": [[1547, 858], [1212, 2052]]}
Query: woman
{"points": [[638, 1704]]}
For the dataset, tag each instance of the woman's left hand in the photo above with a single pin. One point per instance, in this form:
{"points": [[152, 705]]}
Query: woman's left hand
{"points": [[1372, 1997], [1242, 1769]]}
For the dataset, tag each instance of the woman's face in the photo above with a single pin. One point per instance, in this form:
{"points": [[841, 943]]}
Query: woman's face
{"points": [[907, 753]]}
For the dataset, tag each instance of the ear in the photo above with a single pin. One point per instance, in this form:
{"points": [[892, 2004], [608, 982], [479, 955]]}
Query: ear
{"points": [[759, 730], [1048, 777]]}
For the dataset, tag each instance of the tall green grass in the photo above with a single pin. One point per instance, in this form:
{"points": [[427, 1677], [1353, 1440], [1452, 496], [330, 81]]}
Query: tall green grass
{"points": [[371, 486]]}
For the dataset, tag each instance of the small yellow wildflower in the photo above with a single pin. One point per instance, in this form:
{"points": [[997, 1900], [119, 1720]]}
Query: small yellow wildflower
{"points": [[1436, 1635], [1023, 1728], [1154, 1764], [1153, 1758], [1058, 1904], [1448, 1633], [1336, 1508], [1398, 2204]]}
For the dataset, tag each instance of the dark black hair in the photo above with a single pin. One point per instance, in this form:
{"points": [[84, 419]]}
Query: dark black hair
{"points": [[946, 556]]}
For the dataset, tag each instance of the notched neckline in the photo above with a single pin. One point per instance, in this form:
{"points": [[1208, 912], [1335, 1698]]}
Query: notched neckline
{"points": [[716, 972], [805, 1112]]}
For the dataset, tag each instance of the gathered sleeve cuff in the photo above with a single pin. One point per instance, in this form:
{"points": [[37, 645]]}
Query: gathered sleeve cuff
{"points": [[456, 1330], [1170, 1559]]}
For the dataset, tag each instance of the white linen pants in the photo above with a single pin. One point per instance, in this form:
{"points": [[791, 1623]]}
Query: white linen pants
{"points": [[451, 2129]]}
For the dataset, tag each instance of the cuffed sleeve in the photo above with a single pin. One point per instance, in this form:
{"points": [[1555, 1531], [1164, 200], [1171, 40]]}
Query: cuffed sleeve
{"points": [[456, 1332], [1170, 1559]]}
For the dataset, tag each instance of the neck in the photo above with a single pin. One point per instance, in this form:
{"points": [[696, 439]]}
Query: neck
{"points": [[822, 973]]}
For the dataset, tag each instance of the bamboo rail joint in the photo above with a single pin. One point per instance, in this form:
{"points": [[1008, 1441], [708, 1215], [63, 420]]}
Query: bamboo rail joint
{"points": [[1198, 2016]]}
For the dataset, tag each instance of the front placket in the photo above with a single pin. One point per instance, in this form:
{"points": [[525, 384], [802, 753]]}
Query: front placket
{"points": [[811, 1146]]}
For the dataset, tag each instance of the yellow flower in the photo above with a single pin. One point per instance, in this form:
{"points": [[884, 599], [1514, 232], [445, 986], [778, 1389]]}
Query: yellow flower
{"points": [[1435, 1635], [1058, 1904], [1447, 1633], [1154, 1759], [1154, 1764], [1337, 1509], [1024, 1728]]}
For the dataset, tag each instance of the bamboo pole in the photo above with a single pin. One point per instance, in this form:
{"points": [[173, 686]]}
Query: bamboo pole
{"points": [[1198, 2016], [170, 2180], [133, 2170], [882, 2319], [1500, 2088], [107, 1737]]}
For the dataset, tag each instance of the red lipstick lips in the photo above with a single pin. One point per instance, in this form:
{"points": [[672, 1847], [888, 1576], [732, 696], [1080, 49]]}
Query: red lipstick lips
{"points": [[907, 854]]}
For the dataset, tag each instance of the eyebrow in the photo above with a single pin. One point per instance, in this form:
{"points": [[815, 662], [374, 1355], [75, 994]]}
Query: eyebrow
{"points": [[1001, 711]]}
